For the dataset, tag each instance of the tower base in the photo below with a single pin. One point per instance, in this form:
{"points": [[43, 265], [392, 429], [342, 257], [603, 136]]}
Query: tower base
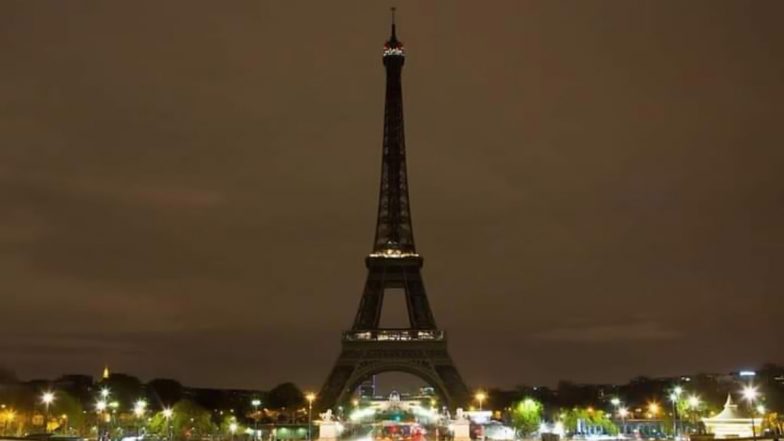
{"points": [[422, 353]]}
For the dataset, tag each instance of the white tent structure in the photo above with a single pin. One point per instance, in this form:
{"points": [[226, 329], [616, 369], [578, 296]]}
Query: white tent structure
{"points": [[729, 423]]}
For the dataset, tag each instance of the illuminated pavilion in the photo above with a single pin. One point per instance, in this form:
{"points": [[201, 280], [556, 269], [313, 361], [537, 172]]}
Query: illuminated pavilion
{"points": [[729, 423]]}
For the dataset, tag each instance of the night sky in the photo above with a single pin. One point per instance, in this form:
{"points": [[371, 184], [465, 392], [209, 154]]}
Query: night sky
{"points": [[188, 189]]}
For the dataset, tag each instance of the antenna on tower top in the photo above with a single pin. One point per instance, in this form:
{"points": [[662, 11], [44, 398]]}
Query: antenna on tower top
{"points": [[392, 11]]}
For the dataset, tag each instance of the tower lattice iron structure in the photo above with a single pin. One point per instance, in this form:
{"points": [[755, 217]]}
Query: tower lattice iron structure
{"points": [[421, 348]]}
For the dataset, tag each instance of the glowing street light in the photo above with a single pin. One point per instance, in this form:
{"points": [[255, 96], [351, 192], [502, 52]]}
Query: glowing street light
{"points": [[139, 408], [674, 397], [480, 397], [615, 401], [233, 429], [693, 402], [100, 406], [105, 393], [750, 394], [310, 397], [255, 403], [47, 398], [653, 409], [168, 413]]}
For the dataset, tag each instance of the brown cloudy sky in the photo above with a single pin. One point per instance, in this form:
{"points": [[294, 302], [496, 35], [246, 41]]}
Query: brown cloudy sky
{"points": [[188, 189]]}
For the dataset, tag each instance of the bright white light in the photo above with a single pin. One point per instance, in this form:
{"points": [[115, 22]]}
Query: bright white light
{"points": [[167, 413], [233, 427], [100, 406], [623, 412], [761, 409], [616, 401], [105, 392], [47, 398], [138, 408], [750, 393], [694, 401], [747, 373]]}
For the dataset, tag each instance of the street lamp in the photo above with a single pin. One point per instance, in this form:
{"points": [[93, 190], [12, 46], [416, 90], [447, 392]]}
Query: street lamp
{"points": [[674, 397], [100, 408], [47, 398], [693, 403], [310, 397], [480, 397], [138, 410], [167, 414], [255, 403], [750, 394], [233, 429], [623, 413]]}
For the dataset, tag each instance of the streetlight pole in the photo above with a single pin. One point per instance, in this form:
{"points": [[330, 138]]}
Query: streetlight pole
{"points": [[100, 407], [310, 397], [616, 402], [674, 397], [233, 429], [256, 403], [47, 398], [138, 410], [167, 413], [623, 412], [750, 394], [480, 397]]}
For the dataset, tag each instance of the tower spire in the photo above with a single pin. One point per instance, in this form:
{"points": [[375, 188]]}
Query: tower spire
{"points": [[394, 233], [392, 11]]}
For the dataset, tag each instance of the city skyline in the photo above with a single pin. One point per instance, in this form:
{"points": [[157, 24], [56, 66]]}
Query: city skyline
{"points": [[596, 187]]}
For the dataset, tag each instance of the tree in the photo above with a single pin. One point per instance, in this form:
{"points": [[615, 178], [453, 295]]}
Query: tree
{"points": [[125, 389], [69, 412], [286, 395], [164, 391], [526, 416], [588, 416]]}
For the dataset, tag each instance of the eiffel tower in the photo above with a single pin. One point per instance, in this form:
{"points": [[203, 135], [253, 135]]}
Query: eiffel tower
{"points": [[368, 349]]}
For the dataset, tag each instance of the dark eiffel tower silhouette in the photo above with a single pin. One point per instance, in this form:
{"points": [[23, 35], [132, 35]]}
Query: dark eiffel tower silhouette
{"points": [[368, 349]]}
